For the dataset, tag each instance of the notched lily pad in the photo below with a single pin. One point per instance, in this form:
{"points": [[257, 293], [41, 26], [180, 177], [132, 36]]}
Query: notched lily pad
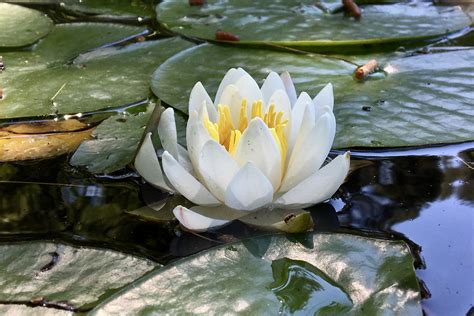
{"points": [[307, 26], [21, 26], [351, 272], [424, 99], [63, 273], [114, 145]]}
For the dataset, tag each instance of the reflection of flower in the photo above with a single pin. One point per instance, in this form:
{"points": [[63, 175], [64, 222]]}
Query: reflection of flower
{"points": [[252, 148]]}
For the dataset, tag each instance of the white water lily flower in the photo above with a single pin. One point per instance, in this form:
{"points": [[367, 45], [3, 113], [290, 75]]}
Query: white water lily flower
{"points": [[249, 149]]}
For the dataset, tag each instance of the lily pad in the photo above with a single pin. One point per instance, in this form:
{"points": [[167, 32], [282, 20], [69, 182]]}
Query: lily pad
{"points": [[108, 77], [304, 25], [139, 8], [22, 26], [116, 141], [66, 42], [63, 273], [419, 100], [340, 273]]}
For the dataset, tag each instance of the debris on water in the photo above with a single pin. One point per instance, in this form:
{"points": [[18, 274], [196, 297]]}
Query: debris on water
{"points": [[196, 2], [226, 36], [2, 65], [352, 9], [367, 108], [362, 72]]}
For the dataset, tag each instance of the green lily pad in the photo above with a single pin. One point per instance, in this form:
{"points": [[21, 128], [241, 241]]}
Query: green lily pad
{"points": [[340, 273], [139, 8], [66, 42], [114, 145], [22, 26], [425, 99], [108, 77], [304, 25], [59, 272]]}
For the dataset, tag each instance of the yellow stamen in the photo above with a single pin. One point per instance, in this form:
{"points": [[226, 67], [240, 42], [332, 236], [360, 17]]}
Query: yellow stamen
{"points": [[212, 128], [234, 141]]}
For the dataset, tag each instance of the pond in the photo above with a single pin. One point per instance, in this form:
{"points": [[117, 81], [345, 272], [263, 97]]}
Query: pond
{"points": [[82, 232]]}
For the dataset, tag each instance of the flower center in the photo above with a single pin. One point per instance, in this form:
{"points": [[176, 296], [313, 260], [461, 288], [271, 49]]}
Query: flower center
{"points": [[228, 135]]}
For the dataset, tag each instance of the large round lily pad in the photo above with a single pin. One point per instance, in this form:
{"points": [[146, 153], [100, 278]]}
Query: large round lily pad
{"points": [[137, 8], [21, 26], [308, 26], [64, 274], [425, 99], [271, 275], [103, 78]]}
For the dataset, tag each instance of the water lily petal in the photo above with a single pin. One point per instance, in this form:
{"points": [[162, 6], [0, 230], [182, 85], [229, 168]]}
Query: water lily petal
{"points": [[324, 97], [184, 160], [272, 83], [217, 168], [194, 221], [232, 97], [186, 184], [318, 187], [310, 151], [198, 98], [258, 146], [289, 86], [167, 132], [249, 90], [231, 77], [303, 103], [196, 137], [249, 189], [147, 165]]}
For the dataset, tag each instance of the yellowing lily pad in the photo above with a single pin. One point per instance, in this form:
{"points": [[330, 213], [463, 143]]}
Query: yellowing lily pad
{"points": [[419, 100], [339, 274], [20, 26], [308, 26]]}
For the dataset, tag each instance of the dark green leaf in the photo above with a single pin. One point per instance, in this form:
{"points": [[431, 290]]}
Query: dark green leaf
{"points": [[361, 275], [425, 99], [59, 272], [22, 26], [304, 25]]}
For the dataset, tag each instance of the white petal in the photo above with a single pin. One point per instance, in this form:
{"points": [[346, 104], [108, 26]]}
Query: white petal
{"points": [[195, 221], [325, 97], [304, 103], [184, 160], [318, 187], [198, 98], [186, 184], [272, 83], [196, 136], [230, 77], [258, 146], [310, 151], [167, 132], [217, 168], [289, 86], [249, 90], [232, 97], [148, 166], [249, 189]]}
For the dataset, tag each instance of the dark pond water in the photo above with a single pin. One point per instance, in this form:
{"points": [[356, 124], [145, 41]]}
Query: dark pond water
{"points": [[424, 196]]}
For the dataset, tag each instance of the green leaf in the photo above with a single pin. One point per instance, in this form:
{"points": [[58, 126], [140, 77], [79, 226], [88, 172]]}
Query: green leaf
{"points": [[66, 42], [22, 26], [425, 99], [359, 275], [289, 221], [108, 77], [114, 145], [306, 26], [139, 8], [59, 272]]}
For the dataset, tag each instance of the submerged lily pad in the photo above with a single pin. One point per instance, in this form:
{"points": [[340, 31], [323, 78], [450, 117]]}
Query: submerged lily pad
{"points": [[63, 273], [116, 141], [108, 77], [425, 99], [340, 273], [304, 25], [21, 26]]}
